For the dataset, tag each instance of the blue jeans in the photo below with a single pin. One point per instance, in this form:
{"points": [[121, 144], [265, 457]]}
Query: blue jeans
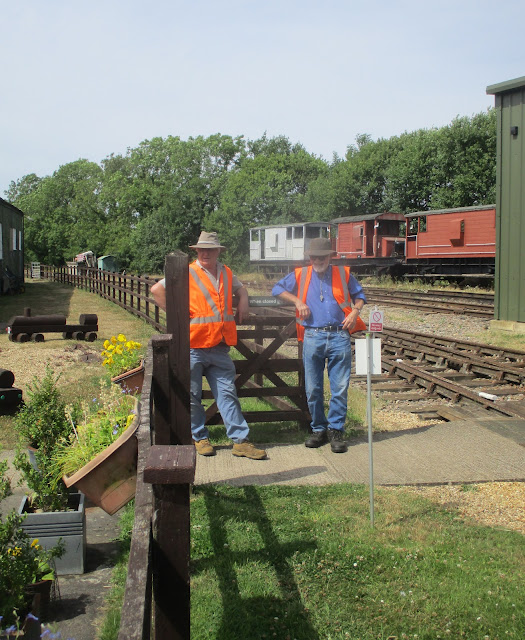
{"points": [[216, 364], [334, 350]]}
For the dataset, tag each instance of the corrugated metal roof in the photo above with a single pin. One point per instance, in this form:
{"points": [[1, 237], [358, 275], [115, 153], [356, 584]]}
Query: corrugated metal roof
{"points": [[508, 85], [432, 212], [367, 216], [292, 224]]}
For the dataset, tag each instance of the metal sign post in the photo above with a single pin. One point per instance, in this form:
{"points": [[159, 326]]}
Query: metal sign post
{"points": [[369, 357], [368, 360]]}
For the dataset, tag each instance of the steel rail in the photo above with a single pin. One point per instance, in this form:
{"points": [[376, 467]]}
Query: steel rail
{"points": [[441, 386]]}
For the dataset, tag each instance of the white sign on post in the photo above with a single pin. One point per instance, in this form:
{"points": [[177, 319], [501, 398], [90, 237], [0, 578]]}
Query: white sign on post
{"points": [[375, 321], [362, 360]]}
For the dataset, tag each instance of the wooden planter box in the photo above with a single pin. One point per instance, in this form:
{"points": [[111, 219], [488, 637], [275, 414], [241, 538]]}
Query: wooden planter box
{"points": [[110, 478], [49, 527]]}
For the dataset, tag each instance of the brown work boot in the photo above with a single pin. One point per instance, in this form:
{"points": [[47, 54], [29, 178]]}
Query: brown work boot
{"points": [[247, 450], [204, 448]]}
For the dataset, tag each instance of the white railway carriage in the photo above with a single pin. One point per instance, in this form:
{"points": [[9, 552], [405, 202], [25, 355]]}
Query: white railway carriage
{"points": [[284, 242]]}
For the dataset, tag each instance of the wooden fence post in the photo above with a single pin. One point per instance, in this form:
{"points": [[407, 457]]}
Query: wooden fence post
{"points": [[172, 494]]}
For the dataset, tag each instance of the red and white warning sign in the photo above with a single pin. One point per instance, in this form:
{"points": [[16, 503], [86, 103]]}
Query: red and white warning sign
{"points": [[375, 321]]}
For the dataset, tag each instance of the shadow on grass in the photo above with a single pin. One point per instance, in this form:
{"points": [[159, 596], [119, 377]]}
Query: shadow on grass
{"points": [[42, 297], [267, 616]]}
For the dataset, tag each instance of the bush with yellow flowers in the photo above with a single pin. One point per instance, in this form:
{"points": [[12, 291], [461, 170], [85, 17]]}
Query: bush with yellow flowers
{"points": [[120, 354]]}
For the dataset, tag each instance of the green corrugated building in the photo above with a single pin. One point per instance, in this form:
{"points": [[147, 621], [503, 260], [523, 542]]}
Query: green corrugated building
{"points": [[509, 281]]}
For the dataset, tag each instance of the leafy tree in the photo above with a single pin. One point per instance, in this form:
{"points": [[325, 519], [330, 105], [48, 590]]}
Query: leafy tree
{"points": [[267, 188]]}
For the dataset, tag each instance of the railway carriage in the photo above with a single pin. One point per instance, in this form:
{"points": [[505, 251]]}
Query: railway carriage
{"points": [[446, 242], [371, 243], [275, 248]]}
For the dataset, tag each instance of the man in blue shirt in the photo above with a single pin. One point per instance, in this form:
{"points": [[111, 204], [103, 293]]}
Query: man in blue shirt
{"points": [[323, 295]]}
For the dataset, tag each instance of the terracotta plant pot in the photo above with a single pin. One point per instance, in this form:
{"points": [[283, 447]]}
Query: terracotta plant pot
{"points": [[39, 596], [131, 381], [109, 479]]}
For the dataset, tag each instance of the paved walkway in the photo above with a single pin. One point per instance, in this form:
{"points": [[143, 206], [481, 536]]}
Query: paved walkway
{"points": [[450, 452]]}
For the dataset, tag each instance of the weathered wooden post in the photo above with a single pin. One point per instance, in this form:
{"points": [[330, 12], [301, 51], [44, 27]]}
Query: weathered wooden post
{"points": [[171, 463]]}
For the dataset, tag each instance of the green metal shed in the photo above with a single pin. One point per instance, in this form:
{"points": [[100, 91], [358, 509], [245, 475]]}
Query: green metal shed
{"points": [[509, 281], [108, 263]]}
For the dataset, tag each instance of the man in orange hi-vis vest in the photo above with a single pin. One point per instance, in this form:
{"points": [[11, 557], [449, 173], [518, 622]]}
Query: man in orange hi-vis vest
{"points": [[323, 295], [212, 332]]}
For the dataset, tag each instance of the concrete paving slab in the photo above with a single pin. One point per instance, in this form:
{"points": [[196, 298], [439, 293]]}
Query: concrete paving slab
{"points": [[452, 452]]}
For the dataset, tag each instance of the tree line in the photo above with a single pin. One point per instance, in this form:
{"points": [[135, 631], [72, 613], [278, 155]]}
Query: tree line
{"points": [[159, 196]]}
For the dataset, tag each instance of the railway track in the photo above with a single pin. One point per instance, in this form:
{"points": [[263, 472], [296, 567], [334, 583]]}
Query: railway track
{"points": [[446, 378], [479, 305], [437, 377]]}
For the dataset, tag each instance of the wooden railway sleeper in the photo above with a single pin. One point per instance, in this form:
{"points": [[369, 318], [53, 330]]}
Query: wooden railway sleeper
{"points": [[449, 389]]}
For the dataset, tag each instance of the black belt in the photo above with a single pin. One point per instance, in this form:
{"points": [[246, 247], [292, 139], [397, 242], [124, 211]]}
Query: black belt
{"points": [[330, 327]]}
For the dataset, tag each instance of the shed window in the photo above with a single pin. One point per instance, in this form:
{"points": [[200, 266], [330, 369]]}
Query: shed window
{"points": [[13, 239], [255, 235], [289, 233], [20, 240], [412, 226], [297, 233], [423, 223]]}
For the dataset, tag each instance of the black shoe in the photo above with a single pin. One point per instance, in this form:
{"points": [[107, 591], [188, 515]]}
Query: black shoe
{"points": [[337, 443], [317, 439]]}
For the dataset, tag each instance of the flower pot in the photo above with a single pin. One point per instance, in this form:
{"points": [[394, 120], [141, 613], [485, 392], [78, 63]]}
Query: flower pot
{"points": [[131, 381], [49, 527], [38, 598], [109, 479]]}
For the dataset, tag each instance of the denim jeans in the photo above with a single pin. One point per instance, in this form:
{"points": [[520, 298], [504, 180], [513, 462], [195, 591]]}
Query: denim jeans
{"points": [[216, 364], [334, 350]]}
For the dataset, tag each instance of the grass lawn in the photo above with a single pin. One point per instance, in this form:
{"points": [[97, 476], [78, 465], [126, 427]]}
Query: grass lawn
{"points": [[303, 563]]}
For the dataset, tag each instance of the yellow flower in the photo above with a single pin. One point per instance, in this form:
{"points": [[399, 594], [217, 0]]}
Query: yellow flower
{"points": [[106, 344], [119, 350], [35, 543], [113, 340], [121, 337]]}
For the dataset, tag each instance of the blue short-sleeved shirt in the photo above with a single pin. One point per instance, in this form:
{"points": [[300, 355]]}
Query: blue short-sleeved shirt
{"points": [[325, 310]]}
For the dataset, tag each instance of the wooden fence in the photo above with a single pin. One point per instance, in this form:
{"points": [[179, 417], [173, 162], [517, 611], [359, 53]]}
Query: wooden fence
{"points": [[157, 597]]}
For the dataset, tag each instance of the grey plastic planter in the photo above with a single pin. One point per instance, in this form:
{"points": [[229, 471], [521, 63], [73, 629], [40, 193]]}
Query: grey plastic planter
{"points": [[50, 527]]}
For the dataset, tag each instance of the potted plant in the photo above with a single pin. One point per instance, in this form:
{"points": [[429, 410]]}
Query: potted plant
{"points": [[51, 512], [25, 566], [42, 420], [100, 457], [124, 362]]}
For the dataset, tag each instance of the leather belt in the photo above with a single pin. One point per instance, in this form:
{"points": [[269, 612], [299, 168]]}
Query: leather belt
{"points": [[330, 327]]}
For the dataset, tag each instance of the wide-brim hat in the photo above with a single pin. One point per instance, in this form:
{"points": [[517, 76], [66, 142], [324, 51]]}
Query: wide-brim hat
{"points": [[320, 247], [208, 240]]}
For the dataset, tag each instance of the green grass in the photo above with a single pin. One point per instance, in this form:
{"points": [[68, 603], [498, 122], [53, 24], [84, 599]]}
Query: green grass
{"points": [[304, 563]]}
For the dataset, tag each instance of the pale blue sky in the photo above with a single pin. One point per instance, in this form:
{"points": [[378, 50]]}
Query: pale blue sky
{"points": [[86, 79]]}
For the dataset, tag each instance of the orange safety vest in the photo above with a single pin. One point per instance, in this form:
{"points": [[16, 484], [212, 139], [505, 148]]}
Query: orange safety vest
{"points": [[340, 276], [211, 311]]}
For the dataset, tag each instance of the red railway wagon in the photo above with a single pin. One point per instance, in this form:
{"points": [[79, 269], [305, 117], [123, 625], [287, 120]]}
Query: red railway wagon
{"points": [[370, 243], [451, 241]]}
